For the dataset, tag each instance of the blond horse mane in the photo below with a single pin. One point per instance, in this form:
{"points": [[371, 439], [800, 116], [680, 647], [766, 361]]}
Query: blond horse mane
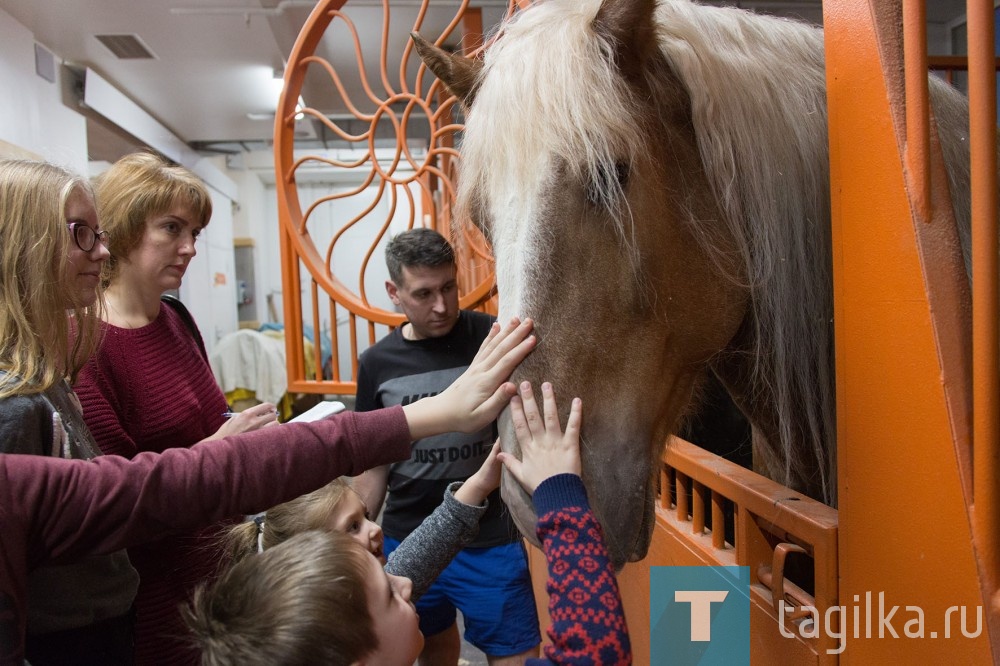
{"points": [[757, 88], [595, 129]]}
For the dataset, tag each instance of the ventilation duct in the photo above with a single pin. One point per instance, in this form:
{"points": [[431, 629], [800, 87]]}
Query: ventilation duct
{"points": [[126, 47]]}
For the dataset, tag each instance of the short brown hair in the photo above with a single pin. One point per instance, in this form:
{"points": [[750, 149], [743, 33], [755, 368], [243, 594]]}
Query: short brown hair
{"points": [[417, 247], [301, 602]]}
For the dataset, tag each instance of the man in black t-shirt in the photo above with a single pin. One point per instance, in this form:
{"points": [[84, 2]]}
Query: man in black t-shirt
{"points": [[488, 580]]}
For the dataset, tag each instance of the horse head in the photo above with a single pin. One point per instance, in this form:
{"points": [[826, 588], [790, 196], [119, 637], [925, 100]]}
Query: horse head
{"points": [[654, 179], [580, 163]]}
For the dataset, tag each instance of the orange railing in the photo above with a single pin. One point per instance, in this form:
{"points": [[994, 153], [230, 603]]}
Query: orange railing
{"points": [[774, 528]]}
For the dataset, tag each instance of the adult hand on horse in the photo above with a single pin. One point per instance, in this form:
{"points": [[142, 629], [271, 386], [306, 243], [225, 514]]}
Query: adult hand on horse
{"points": [[545, 449], [479, 394]]}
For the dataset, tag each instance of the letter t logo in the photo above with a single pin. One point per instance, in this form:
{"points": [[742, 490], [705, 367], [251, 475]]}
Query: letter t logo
{"points": [[701, 610]]}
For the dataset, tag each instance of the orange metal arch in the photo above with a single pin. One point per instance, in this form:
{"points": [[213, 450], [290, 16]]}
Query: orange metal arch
{"points": [[330, 294]]}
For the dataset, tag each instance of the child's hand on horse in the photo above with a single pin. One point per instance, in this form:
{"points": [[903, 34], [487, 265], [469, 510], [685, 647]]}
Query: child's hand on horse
{"points": [[545, 449], [484, 481]]}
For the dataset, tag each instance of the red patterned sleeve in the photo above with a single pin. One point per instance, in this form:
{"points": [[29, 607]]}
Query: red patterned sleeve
{"points": [[585, 608]]}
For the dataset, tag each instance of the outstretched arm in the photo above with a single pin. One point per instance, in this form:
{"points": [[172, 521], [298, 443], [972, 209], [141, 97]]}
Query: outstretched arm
{"points": [[53, 509], [588, 623], [425, 553]]}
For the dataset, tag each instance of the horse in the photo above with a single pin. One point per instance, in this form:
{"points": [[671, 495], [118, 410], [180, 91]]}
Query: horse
{"points": [[654, 180]]}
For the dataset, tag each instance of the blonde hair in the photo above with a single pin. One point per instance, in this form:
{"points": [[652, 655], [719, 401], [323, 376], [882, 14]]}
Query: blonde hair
{"points": [[301, 602], [39, 344], [137, 187], [304, 513]]}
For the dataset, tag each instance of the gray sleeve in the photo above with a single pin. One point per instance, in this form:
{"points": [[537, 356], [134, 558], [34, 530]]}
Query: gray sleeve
{"points": [[429, 548]]}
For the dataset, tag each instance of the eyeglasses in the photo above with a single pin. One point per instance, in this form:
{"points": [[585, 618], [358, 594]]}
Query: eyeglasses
{"points": [[85, 237]]}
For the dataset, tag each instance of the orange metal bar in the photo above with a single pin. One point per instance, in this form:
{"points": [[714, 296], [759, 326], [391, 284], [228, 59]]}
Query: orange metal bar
{"points": [[698, 496], [985, 280], [683, 486], [334, 343], [718, 520], [353, 323], [317, 335], [902, 356], [918, 138]]}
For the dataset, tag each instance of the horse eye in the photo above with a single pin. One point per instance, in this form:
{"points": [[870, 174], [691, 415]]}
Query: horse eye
{"points": [[607, 185], [622, 173]]}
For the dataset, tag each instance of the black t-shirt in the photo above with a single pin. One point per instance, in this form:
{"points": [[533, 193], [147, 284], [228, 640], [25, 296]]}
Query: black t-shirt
{"points": [[397, 371]]}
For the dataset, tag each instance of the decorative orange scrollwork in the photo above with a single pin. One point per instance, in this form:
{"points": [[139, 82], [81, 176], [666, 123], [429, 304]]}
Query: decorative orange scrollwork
{"points": [[383, 159]]}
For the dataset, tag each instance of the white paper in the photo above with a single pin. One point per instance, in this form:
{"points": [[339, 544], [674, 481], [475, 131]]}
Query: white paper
{"points": [[322, 410]]}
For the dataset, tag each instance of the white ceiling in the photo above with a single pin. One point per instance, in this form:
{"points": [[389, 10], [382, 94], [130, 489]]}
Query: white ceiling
{"points": [[211, 80]]}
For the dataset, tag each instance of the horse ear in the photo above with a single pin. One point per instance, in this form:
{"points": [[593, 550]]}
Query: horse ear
{"points": [[458, 73], [630, 24]]}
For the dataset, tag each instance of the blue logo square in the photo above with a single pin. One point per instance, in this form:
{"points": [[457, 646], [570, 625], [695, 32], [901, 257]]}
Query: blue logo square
{"points": [[699, 615]]}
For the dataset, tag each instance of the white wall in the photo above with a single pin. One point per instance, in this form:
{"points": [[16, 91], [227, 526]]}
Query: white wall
{"points": [[32, 115], [250, 220], [209, 287]]}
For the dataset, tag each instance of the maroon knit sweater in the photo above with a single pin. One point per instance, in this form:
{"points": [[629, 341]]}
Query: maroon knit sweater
{"points": [[55, 510], [150, 389]]}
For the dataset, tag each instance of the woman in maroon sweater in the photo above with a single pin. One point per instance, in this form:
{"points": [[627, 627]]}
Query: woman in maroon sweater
{"points": [[149, 386]]}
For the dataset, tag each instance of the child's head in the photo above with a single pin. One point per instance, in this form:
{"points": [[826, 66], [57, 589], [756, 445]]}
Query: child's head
{"points": [[334, 507], [319, 597]]}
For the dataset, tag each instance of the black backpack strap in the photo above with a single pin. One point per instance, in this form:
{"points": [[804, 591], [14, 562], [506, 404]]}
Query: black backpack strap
{"points": [[179, 308]]}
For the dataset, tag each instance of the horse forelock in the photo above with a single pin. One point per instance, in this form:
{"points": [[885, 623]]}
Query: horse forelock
{"points": [[550, 97]]}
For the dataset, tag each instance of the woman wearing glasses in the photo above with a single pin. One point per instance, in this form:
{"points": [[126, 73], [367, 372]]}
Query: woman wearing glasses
{"points": [[80, 612], [149, 387]]}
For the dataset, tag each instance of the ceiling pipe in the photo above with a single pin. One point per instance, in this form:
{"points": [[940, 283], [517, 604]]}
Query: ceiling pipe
{"points": [[285, 4]]}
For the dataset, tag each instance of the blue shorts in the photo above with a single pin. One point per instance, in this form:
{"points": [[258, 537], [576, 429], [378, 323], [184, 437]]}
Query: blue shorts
{"points": [[492, 588]]}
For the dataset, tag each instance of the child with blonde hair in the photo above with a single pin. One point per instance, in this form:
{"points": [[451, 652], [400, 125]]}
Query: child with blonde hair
{"points": [[337, 507]]}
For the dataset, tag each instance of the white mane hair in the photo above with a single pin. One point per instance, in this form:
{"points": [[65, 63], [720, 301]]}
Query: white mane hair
{"points": [[548, 63], [758, 94]]}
